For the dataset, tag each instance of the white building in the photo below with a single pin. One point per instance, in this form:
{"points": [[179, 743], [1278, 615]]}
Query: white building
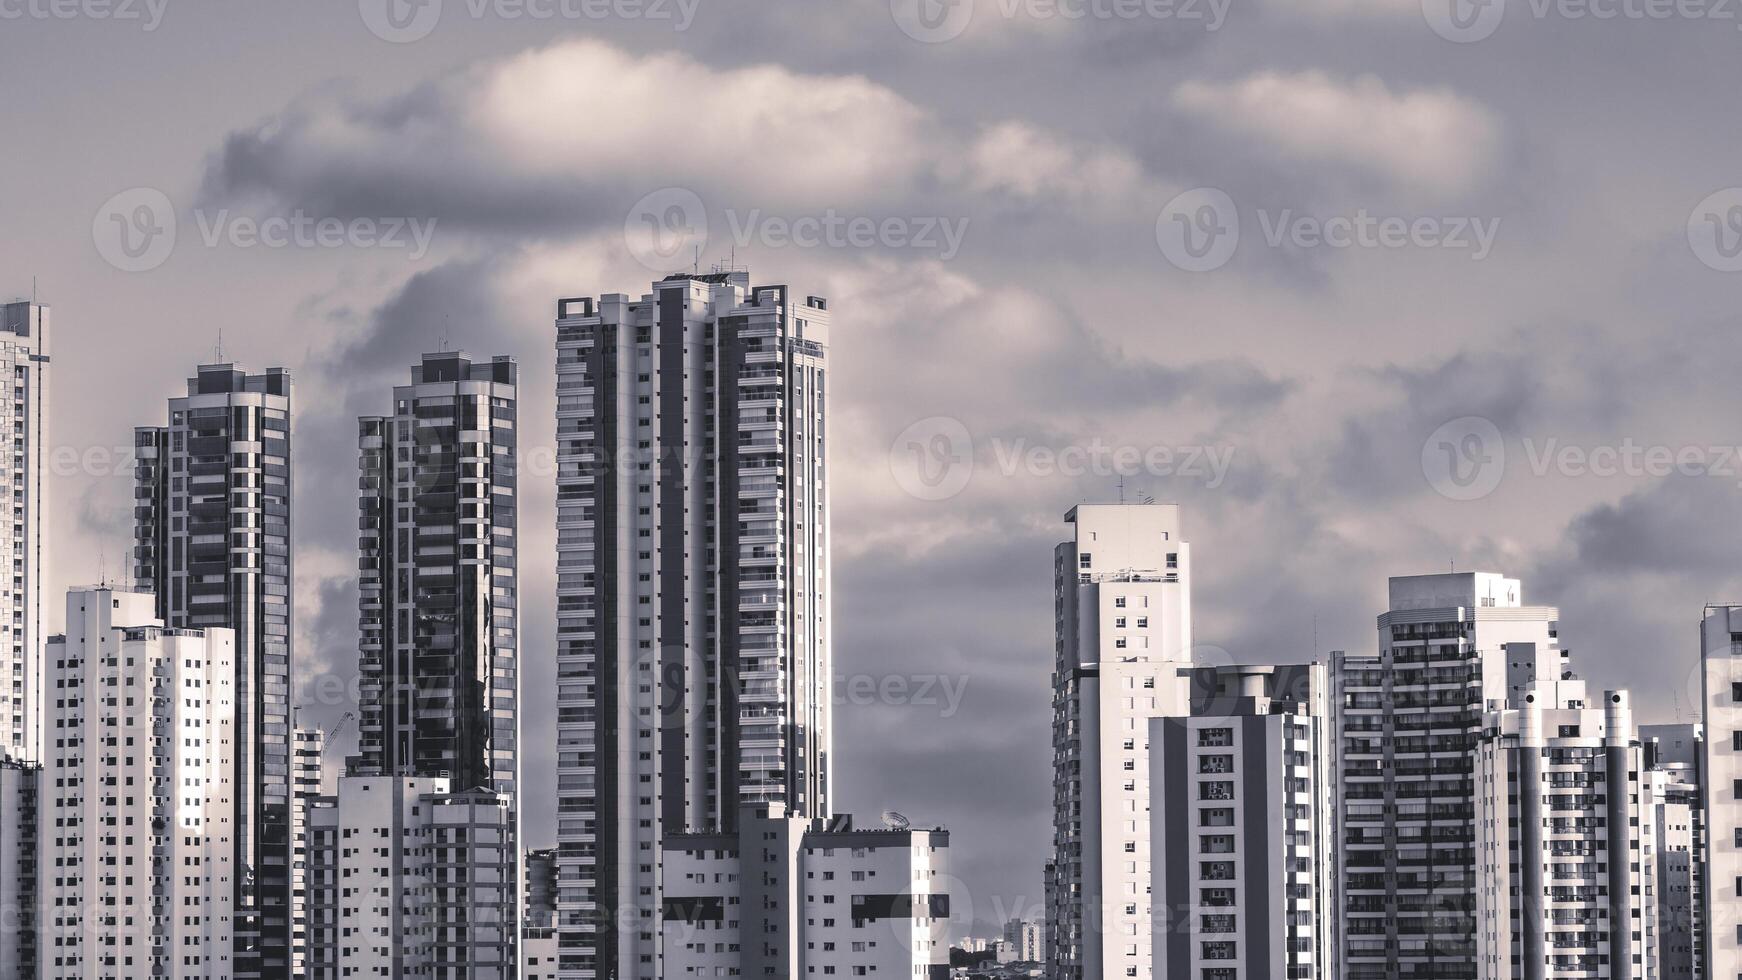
{"points": [[24, 356], [1240, 827], [1721, 694], [1565, 849], [1407, 718], [1672, 775], [1026, 937], [137, 806], [794, 897], [693, 550], [1123, 626], [307, 746], [408, 879]]}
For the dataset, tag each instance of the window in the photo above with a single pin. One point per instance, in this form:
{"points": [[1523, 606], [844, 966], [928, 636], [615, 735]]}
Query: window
{"points": [[1736, 691], [1119, 602], [1084, 559]]}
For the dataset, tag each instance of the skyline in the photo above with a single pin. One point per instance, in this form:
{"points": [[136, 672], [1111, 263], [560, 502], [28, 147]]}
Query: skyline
{"points": [[1318, 375]]}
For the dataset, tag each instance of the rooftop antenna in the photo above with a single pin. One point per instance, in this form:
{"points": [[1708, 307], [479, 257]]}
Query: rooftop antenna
{"points": [[1121, 490], [696, 262], [218, 351]]}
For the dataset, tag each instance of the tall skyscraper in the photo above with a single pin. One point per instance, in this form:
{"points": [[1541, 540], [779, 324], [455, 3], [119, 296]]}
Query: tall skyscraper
{"points": [[692, 589], [1240, 827], [138, 860], [440, 678], [1122, 609], [1674, 755], [1721, 694], [1565, 848], [24, 356], [308, 745], [1408, 718], [212, 514]]}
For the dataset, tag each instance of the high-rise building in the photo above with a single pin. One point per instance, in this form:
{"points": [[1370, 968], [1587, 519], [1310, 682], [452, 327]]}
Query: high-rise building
{"points": [[1673, 757], [1565, 848], [1240, 827], [307, 747], [439, 677], [1408, 718], [20, 789], [409, 879], [212, 518], [1024, 935], [24, 357], [693, 549], [1122, 609], [138, 817], [785, 896], [1721, 780]]}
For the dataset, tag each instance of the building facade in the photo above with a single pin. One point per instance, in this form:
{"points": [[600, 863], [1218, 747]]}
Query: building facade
{"points": [[1721, 775], [20, 788], [24, 357], [409, 879], [1408, 718], [439, 617], [1240, 827], [693, 549], [786, 896], [137, 808], [1673, 784], [212, 519], [1565, 849], [307, 747], [1025, 937], [1122, 608]]}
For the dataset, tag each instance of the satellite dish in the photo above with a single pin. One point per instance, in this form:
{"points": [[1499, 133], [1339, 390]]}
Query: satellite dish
{"points": [[895, 821]]}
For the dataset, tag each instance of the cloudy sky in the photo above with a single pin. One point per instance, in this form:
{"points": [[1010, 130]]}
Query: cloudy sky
{"points": [[1367, 288]]}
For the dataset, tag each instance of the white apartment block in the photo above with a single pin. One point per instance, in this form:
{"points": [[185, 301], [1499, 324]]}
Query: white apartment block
{"points": [[1408, 718], [1026, 938], [137, 801], [24, 448], [1672, 783], [693, 637], [410, 880], [307, 746], [795, 897], [1123, 625], [1565, 848], [1721, 695], [1240, 831]]}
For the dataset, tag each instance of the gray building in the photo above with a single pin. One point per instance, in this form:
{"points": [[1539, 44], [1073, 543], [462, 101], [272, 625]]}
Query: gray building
{"points": [[212, 518], [1240, 827], [439, 601], [693, 549], [20, 786], [24, 412], [1408, 717], [1675, 787]]}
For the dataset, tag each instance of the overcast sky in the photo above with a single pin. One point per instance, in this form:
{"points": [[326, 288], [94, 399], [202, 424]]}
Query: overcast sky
{"points": [[1481, 307]]}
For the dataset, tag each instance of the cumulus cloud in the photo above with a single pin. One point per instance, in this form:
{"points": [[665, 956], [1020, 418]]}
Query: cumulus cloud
{"points": [[569, 136], [1432, 140]]}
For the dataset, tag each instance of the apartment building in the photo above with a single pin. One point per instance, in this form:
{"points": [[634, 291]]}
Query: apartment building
{"points": [[24, 449], [1673, 783], [137, 806], [693, 549], [1721, 779], [409, 879], [1408, 717], [307, 746], [1122, 609], [212, 541], [788, 896], [1565, 847], [1240, 827], [20, 789]]}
